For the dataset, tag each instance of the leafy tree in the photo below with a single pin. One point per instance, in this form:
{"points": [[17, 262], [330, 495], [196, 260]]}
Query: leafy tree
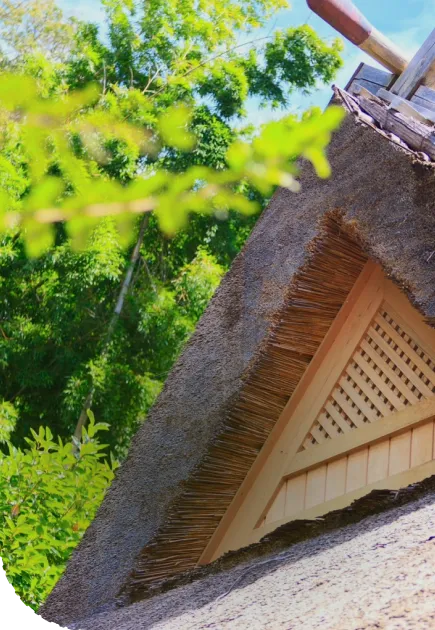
{"points": [[29, 28], [159, 124], [170, 51], [55, 312], [166, 130], [8, 420]]}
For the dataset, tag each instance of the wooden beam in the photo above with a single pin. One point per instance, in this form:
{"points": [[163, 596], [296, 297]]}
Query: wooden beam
{"points": [[384, 51], [413, 109], [350, 22], [365, 435], [415, 134], [419, 69]]}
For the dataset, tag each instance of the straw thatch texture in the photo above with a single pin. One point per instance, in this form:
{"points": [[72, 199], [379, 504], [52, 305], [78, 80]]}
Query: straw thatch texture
{"points": [[368, 567], [389, 201], [313, 301]]}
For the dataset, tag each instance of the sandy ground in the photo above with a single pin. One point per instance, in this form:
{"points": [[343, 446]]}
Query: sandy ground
{"points": [[379, 573]]}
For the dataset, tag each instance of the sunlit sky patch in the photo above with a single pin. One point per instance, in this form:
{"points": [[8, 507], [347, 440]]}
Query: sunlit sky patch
{"points": [[406, 22]]}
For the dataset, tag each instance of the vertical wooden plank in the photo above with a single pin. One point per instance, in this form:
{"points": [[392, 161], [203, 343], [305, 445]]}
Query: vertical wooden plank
{"points": [[425, 94], [276, 510], [377, 467], [400, 453], [420, 67], [336, 478], [356, 476], [295, 495], [315, 489], [422, 444]]}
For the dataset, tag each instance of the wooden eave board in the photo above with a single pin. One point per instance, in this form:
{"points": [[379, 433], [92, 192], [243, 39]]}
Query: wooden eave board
{"points": [[419, 69], [361, 418]]}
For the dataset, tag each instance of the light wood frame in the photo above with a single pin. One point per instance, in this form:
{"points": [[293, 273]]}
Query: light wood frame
{"points": [[280, 459]]}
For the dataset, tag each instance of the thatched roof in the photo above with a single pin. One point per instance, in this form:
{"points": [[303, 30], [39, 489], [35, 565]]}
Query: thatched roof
{"points": [[365, 567], [227, 389]]}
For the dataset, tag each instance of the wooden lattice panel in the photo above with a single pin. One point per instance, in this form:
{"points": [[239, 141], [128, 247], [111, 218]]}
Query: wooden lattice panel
{"points": [[388, 371]]}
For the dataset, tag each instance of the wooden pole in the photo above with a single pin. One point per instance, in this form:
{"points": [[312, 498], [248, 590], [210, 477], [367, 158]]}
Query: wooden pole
{"points": [[351, 23]]}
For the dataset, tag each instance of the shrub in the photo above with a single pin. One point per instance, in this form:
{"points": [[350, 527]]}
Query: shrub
{"points": [[49, 493]]}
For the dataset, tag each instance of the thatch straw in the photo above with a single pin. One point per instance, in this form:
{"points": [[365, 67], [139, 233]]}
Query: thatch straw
{"points": [[313, 301]]}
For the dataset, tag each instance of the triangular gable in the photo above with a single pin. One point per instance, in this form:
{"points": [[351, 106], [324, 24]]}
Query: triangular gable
{"points": [[360, 418], [316, 295]]}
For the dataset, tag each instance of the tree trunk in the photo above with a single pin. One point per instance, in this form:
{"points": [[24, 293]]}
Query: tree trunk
{"points": [[83, 418]]}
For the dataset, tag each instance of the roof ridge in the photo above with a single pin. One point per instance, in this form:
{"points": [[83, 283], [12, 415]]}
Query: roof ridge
{"points": [[414, 136]]}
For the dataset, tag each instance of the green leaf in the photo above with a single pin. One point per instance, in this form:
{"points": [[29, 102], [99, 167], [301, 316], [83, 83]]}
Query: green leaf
{"points": [[173, 127]]}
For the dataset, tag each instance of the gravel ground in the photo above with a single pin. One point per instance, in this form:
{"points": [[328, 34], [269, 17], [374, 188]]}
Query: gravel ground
{"points": [[379, 573]]}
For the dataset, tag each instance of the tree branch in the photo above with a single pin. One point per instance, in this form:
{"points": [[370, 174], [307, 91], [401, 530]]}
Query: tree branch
{"points": [[221, 54]]}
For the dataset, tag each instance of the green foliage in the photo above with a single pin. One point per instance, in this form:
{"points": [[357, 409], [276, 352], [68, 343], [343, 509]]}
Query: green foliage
{"points": [[68, 179], [167, 38], [28, 27], [49, 493], [8, 420], [93, 152], [53, 321], [196, 284], [138, 135], [174, 50], [150, 127], [298, 58], [95, 131]]}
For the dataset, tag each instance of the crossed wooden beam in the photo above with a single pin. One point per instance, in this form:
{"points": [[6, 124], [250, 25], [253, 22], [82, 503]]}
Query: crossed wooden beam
{"points": [[351, 23]]}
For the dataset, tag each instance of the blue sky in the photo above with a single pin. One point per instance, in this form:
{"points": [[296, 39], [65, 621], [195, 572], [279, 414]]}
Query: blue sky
{"points": [[406, 22]]}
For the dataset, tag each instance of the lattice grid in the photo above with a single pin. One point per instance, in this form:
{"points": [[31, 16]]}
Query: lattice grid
{"points": [[388, 371]]}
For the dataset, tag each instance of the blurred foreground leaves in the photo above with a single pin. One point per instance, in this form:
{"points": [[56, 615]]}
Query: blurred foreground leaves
{"points": [[66, 143]]}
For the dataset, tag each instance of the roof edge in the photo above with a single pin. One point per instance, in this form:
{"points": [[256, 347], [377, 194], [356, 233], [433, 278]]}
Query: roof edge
{"points": [[294, 532]]}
